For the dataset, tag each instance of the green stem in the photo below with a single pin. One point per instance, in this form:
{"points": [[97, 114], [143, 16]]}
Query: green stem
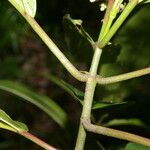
{"points": [[130, 6], [106, 20], [123, 77], [88, 99], [37, 140], [51, 45], [115, 133]]}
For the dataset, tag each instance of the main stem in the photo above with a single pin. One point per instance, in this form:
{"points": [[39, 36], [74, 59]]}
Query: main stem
{"points": [[88, 98]]}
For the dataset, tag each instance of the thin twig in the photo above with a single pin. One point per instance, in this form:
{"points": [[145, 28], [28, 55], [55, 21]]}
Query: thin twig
{"points": [[115, 133], [37, 140], [123, 77]]}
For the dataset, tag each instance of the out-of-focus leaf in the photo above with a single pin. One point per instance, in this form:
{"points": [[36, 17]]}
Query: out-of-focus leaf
{"points": [[7, 123], [131, 121], [134, 40], [76, 93], [110, 69], [101, 105], [113, 92], [10, 68], [110, 53], [144, 1], [6, 144], [134, 146], [41, 101], [147, 1]]}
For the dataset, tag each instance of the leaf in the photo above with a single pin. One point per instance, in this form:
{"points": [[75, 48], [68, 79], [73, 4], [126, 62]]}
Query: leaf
{"points": [[27, 6], [134, 146], [101, 105], [116, 92], [77, 40], [77, 25], [144, 1], [148, 1], [131, 121], [128, 38], [7, 123], [41, 101], [74, 92]]}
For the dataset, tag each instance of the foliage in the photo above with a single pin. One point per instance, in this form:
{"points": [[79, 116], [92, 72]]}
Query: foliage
{"points": [[121, 105]]}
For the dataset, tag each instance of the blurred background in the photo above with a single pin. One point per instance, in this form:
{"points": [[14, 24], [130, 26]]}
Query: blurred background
{"points": [[23, 57]]}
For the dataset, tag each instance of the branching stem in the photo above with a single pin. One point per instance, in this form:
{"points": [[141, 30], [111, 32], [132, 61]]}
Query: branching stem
{"points": [[91, 78], [88, 98], [115, 133], [52, 46]]}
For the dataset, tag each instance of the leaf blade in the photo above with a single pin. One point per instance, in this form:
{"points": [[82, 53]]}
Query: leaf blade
{"points": [[25, 6], [43, 102], [7, 123], [134, 146]]}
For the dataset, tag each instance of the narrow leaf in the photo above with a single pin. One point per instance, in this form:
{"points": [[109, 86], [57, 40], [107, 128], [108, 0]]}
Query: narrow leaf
{"points": [[131, 121], [7, 123], [41, 101], [74, 92], [101, 105]]}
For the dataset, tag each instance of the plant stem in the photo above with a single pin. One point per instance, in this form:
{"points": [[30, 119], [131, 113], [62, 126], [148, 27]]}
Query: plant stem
{"points": [[106, 20], [123, 77], [37, 140], [88, 99], [51, 45], [55, 50], [130, 6], [115, 133]]}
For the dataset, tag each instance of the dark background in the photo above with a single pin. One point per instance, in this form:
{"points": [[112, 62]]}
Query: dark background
{"points": [[23, 56]]}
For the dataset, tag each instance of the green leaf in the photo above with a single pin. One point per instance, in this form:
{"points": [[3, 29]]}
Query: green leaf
{"points": [[41, 101], [27, 6], [144, 1], [77, 40], [101, 105], [76, 24], [134, 146], [148, 1], [7, 123], [131, 121], [74, 92]]}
